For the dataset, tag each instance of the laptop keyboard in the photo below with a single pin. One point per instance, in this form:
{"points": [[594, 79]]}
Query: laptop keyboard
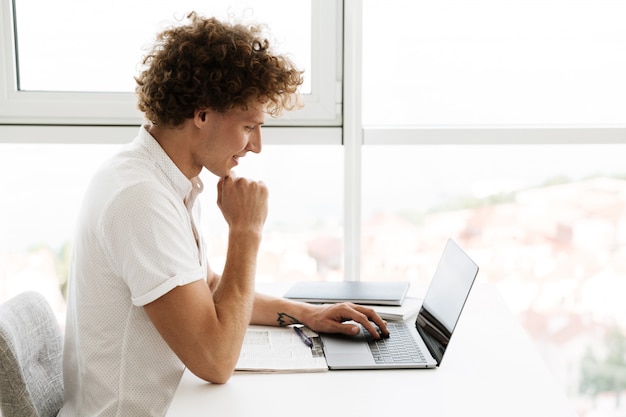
{"points": [[399, 348]]}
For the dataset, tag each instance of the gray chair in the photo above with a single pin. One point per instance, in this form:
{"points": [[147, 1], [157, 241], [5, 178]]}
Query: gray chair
{"points": [[31, 350]]}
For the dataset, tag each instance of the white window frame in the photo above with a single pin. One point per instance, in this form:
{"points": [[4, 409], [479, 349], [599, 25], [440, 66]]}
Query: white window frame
{"points": [[496, 135], [322, 106], [334, 118]]}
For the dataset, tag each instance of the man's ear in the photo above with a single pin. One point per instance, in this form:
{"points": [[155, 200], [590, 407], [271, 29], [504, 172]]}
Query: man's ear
{"points": [[200, 116]]}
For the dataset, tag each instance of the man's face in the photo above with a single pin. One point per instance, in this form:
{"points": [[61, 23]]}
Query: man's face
{"points": [[226, 137]]}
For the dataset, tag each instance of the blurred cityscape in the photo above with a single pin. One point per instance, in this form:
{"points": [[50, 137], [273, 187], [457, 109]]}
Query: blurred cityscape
{"points": [[556, 253]]}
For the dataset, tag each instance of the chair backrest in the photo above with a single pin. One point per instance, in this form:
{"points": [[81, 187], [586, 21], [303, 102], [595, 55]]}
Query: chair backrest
{"points": [[31, 355]]}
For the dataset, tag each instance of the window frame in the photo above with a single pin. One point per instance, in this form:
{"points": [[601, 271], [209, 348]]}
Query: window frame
{"points": [[322, 106], [495, 135], [341, 103]]}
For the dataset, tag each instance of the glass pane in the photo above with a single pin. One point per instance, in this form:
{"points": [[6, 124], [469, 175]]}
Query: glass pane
{"points": [[486, 62], [42, 189], [73, 45], [545, 223], [43, 186], [303, 234]]}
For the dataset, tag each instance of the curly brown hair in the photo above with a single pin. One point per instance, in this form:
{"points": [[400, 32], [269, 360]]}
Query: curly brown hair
{"points": [[211, 64]]}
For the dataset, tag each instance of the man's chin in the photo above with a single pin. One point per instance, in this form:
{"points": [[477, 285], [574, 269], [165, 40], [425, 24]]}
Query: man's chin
{"points": [[222, 173], [229, 173]]}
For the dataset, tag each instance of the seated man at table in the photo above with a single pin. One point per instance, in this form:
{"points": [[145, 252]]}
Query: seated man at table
{"points": [[143, 303]]}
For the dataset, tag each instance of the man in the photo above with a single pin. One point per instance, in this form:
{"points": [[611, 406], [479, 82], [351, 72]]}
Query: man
{"points": [[143, 303]]}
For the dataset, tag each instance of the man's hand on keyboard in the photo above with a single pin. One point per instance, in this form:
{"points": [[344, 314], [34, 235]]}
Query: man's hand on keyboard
{"points": [[345, 318]]}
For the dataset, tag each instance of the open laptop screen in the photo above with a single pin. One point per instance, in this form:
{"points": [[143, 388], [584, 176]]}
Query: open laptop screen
{"points": [[445, 299]]}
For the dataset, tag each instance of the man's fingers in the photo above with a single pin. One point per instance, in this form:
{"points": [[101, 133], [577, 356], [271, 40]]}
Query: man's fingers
{"points": [[369, 319], [365, 316], [372, 316]]}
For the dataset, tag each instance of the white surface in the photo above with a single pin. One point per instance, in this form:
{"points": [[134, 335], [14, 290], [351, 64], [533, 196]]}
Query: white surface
{"points": [[490, 369]]}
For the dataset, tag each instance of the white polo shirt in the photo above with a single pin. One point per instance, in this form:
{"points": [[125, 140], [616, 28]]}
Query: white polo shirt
{"points": [[135, 241]]}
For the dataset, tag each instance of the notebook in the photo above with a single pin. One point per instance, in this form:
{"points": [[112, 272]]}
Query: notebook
{"points": [[360, 292], [427, 338]]}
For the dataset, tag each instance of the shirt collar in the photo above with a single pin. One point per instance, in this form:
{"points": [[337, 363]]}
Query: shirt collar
{"points": [[186, 189]]}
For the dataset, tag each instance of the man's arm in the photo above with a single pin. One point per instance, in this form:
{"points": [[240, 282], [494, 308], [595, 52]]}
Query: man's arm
{"points": [[329, 318], [206, 328]]}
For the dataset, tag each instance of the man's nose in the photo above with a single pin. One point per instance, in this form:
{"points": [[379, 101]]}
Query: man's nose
{"points": [[255, 143]]}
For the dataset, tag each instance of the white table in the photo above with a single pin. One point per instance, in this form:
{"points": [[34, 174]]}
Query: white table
{"points": [[491, 368]]}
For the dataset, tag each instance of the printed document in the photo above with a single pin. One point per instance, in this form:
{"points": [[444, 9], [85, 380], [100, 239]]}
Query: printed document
{"points": [[280, 349]]}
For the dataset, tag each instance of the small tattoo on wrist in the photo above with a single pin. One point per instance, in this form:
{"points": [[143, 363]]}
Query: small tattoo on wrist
{"points": [[285, 319]]}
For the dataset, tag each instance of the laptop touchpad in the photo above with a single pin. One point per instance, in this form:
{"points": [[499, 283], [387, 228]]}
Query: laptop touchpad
{"points": [[346, 345]]}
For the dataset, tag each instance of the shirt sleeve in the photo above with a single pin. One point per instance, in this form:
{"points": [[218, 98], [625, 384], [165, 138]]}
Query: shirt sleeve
{"points": [[148, 237]]}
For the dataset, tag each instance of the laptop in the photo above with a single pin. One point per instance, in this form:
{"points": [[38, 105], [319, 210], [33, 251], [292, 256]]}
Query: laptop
{"points": [[421, 344]]}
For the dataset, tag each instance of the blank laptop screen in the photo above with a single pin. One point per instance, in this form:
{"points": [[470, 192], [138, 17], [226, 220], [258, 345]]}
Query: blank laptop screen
{"points": [[445, 299]]}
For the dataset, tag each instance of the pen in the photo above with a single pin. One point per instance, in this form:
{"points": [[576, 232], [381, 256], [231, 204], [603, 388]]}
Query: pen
{"points": [[306, 339]]}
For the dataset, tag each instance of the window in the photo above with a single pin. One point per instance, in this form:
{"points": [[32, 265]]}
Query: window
{"points": [[494, 63], [545, 223], [116, 40], [80, 72], [502, 124], [303, 234]]}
